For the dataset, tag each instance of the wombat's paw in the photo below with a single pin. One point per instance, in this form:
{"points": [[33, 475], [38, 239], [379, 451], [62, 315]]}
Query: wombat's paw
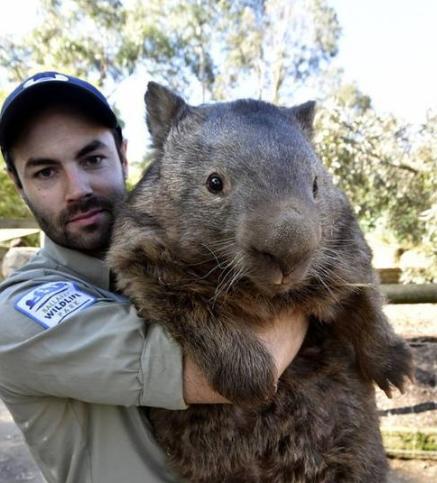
{"points": [[247, 381], [392, 366]]}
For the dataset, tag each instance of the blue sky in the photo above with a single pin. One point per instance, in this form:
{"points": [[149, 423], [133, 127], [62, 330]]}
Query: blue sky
{"points": [[387, 48]]}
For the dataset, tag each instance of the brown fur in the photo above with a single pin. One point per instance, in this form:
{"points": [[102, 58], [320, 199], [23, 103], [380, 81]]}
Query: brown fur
{"points": [[208, 265]]}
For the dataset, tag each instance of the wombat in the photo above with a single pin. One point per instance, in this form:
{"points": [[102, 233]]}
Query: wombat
{"points": [[235, 221]]}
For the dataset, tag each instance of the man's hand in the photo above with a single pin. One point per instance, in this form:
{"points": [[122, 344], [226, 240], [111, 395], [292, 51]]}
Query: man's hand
{"points": [[282, 337]]}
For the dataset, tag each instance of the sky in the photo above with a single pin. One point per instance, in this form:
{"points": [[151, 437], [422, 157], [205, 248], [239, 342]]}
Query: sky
{"points": [[387, 47]]}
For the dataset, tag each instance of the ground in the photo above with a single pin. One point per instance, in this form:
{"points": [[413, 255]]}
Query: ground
{"points": [[16, 464], [417, 323]]}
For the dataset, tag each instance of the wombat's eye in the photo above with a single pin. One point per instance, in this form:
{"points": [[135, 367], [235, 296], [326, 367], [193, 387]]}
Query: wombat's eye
{"points": [[315, 187], [214, 183]]}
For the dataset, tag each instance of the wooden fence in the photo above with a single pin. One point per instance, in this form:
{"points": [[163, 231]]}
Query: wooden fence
{"points": [[11, 229]]}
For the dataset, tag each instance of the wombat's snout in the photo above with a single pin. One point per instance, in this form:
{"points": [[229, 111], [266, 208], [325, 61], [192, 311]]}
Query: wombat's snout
{"points": [[280, 243]]}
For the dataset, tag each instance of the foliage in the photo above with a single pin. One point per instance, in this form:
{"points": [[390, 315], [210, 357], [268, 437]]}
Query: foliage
{"points": [[387, 169], [11, 204], [99, 40], [276, 45], [414, 441], [209, 42]]}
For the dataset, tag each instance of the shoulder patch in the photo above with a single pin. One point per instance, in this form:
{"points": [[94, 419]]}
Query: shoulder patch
{"points": [[51, 303]]}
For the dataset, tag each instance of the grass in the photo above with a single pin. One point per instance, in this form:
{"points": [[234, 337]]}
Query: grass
{"points": [[410, 440]]}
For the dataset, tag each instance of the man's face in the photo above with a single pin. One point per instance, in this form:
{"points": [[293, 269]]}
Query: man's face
{"points": [[72, 178]]}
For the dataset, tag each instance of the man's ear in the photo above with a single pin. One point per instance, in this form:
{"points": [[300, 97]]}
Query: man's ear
{"points": [[164, 110], [13, 176], [124, 162]]}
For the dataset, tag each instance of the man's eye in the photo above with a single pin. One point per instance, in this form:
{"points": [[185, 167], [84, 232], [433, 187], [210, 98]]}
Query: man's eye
{"points": [[44, 173], [94, 160]]}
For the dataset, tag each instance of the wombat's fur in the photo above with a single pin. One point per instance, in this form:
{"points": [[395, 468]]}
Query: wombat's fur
{"points": [[208, 260]]}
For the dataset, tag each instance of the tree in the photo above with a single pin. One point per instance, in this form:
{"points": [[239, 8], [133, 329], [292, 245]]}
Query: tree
{"points": [[100, 40], [210, 42], [11, 204], [387, 169], [278, 44]]}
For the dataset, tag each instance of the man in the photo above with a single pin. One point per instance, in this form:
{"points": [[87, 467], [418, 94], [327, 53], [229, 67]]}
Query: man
{"points": [[76, 362]]}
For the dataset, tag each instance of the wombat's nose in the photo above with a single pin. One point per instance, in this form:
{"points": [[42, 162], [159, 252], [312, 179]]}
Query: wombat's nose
{"points": [[269, 257], [290, 263], [281, 238], [284, 266]]}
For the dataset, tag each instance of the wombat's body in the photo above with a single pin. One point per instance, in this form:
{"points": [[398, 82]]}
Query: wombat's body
{"points": [[235, 222]]}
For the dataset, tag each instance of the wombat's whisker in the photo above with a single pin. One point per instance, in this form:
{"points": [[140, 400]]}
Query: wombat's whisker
{"points": [[334, 276], [228, 269], [330, 275], [328, 289], [220, 243], [201, 262], [212, 252], [234, 279], [213, 269], [230, 275], [224, 252], [331, 256]]}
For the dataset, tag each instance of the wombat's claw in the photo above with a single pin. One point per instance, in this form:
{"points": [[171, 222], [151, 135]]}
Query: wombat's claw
{"points": [[388, 392], [399, 366], [412, 377], [397, 382]]}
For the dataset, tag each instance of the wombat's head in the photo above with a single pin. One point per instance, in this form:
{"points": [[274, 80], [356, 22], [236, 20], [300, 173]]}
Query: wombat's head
{"points": [[237, 184]]}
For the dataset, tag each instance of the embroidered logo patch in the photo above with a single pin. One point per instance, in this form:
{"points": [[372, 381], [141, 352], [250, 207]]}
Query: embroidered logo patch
{"points": [[51, 303]]}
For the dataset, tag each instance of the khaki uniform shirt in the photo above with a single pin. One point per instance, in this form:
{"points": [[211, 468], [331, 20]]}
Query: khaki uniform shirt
{"points": [[75, 363]]}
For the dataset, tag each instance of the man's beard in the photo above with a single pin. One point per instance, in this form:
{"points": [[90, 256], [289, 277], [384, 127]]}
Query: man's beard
{"points": [[92, 239]]}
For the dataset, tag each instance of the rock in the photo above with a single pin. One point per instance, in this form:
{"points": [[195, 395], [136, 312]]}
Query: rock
{"points": [[15, 258]]}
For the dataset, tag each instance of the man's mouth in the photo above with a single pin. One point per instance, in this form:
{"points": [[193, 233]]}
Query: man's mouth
{"points": [[87, 217]]}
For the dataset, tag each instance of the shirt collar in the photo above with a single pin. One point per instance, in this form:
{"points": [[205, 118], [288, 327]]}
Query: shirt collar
{"points": [[92, 269]]}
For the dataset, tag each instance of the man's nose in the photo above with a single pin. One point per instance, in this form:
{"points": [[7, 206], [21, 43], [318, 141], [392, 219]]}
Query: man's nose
{"points": [[77, 184]]}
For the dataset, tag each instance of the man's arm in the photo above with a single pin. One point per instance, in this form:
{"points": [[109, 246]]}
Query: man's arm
{"points": [[102, 353], [106, 354], [282, 337]]}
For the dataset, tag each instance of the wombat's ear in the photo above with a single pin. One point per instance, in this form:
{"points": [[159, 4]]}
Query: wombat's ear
{"points": [[304, 115], [164, 109]]}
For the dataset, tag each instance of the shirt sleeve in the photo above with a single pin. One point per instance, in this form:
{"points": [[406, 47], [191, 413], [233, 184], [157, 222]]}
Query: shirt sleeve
{"points": [[102, 354]]}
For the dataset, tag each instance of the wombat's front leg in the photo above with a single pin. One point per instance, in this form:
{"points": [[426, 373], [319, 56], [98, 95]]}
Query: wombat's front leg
{"points": [[381, 354], [235, 363]]}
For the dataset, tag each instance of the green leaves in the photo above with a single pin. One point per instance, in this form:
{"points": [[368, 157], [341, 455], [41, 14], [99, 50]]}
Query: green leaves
{"points": [[274, 45], [11, 204], [388, 169]]}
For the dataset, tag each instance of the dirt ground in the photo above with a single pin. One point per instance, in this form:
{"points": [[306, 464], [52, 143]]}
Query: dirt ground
{"points": [[413, 471], [417, 323], [17, 466]]}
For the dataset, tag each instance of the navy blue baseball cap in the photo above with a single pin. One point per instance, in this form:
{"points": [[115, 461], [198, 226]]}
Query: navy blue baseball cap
{"points": [[44, 89]]}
